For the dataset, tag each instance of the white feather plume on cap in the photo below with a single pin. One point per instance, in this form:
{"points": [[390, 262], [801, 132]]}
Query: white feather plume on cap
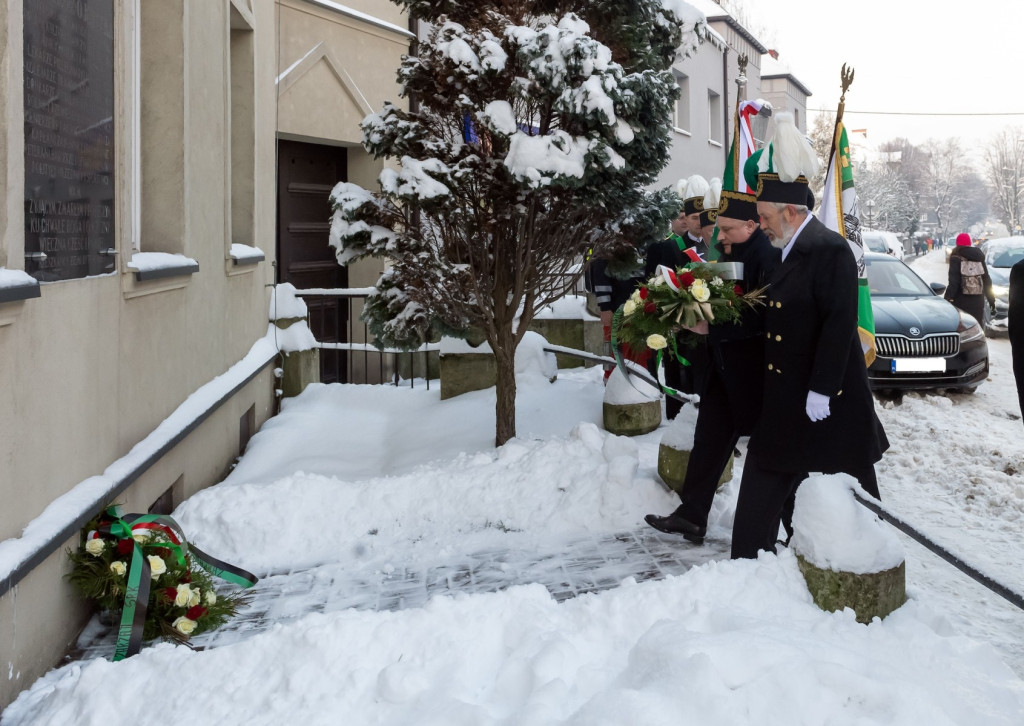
{"points": [[696, 186], [792, 154], [713, 194], [681, 188]]}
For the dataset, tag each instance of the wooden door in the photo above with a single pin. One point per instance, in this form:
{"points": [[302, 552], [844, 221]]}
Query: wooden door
{"points": [[306, 175]]}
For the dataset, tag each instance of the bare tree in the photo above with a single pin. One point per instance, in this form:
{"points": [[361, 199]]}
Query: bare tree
{"points": [[821, 139], [946, 183], [895, 207], [1004, 171]]}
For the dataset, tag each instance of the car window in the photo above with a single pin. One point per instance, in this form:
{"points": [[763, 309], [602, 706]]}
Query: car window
{"points": [[1006, 258], [889, 276], [875, 243]]}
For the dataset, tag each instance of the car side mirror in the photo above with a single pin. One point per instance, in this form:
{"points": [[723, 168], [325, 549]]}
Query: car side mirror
{"points": [[938, 287]]}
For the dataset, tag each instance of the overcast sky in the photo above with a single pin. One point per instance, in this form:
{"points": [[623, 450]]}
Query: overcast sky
{"points": [[920, 56]]}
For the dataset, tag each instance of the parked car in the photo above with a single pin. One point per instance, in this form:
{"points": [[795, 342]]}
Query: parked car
{"points": [[950, 246], [922, 341], [1000, 256], [887, 242]]}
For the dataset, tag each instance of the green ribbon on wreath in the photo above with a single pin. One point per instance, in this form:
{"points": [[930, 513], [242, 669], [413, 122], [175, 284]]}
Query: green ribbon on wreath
{"points": [[136, 598]]}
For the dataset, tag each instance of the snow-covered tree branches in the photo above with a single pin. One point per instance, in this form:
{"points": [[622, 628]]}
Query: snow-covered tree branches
{"points": [[537, 128]]}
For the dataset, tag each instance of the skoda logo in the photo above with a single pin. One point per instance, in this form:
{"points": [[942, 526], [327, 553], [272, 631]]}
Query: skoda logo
{"points": [[915, 331]]}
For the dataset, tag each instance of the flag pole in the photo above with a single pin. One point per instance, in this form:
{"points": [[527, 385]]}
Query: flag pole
{"points": [[845, 81]]}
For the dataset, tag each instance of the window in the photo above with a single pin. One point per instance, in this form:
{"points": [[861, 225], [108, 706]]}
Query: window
{"points": [[714, 117], [69, 119], [681, 117], [796, 117], [241, 127]]}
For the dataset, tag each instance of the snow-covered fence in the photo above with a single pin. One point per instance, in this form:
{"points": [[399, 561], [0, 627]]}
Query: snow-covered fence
{"points": [[353, 358]]}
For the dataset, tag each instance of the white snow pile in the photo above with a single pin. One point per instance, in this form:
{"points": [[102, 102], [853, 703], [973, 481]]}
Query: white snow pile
{"points": [[284, 303], [621, 390], [832, 531], [347, 198], [680, 430], [15, 278]]}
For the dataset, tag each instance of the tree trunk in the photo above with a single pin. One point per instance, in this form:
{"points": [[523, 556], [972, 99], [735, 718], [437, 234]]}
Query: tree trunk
{"points": [[505, 406]]}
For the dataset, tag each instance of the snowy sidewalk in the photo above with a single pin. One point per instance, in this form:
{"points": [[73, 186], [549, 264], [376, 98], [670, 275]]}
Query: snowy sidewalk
{"points": [[574, 568]]}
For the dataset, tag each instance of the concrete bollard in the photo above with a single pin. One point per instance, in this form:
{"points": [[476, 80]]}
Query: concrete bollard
{"points": [[631, 407], [847, 556]]}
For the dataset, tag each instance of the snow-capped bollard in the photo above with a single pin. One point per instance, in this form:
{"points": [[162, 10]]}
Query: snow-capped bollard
{"points": [[631, 407], [847, 557], [301, 364], [675, 448]]}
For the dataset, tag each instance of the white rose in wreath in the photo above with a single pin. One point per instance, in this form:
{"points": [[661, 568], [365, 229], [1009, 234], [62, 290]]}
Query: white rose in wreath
{"points": [[141, 536], [699, 290], [118, 568], [656, 342], [629, 307], [193, 598], [157, 566], [183, 595], [94, 547], [184, 626], [211, 597]]}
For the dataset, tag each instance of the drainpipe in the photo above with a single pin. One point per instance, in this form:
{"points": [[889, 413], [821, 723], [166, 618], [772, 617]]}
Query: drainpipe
{"points": [[414, 49], [725, 105]]}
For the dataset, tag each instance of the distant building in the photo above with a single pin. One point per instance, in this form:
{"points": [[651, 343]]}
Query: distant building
{"points": [[703, 123], [784, 90]]}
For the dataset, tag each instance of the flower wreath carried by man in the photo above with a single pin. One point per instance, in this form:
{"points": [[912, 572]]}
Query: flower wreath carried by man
{"points": [[674, 307]]}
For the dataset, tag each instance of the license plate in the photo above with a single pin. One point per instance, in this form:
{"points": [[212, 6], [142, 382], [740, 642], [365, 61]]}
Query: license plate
{"points": [[918, 365]]}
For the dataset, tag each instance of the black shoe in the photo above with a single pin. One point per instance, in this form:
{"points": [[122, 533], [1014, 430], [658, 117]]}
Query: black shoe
{"points": [[677, 524]]}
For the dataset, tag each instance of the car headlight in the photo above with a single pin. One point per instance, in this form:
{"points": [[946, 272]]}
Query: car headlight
{"points": [[969, 329]]}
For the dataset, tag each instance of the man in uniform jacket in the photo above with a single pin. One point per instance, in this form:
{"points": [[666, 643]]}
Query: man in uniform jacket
{"points": [[731, 403], [818, 413]]}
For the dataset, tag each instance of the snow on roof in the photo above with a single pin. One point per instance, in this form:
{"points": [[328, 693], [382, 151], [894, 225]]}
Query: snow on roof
{"points": [[714, 11]]}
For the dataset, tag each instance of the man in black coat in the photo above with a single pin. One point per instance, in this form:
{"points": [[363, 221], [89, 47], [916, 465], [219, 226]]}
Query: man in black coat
{"points": [[818, 412], [731, 403], [1015, 325]]}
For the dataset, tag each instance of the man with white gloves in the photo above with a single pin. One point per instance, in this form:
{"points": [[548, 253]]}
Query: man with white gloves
{"points": [[818, 413]]}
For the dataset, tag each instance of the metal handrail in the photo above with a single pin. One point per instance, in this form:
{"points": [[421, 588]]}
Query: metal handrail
{"points": [[368, 349]]}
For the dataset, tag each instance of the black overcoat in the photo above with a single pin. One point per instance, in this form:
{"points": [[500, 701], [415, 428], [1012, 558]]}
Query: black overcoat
{"points": [[1015, 324], [811, 344], [736, 351]]}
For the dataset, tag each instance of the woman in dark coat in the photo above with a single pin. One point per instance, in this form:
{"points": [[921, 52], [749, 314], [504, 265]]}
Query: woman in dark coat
{"points": [[972, 303]]}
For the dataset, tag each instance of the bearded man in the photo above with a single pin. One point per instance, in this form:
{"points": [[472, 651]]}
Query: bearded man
{"points": [[818, 412]]}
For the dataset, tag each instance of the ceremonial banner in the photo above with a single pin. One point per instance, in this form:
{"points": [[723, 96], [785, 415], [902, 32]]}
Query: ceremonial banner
{"points": [[838, 212]]}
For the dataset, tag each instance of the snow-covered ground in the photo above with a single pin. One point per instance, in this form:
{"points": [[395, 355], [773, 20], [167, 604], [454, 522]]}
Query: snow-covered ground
{"points": [[366, 479]]}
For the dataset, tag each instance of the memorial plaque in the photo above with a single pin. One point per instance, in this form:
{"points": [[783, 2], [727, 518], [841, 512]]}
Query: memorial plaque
{"points": [[69, 138]]}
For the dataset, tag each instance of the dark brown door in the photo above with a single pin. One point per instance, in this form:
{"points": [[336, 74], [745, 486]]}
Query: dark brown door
{"points": [[306, 175]]}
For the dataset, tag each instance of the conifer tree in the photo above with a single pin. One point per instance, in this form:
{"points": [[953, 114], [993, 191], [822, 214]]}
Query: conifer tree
{"points": [[538, 127]]}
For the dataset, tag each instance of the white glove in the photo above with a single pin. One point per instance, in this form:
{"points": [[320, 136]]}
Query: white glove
{"points": [[817, 406]]}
